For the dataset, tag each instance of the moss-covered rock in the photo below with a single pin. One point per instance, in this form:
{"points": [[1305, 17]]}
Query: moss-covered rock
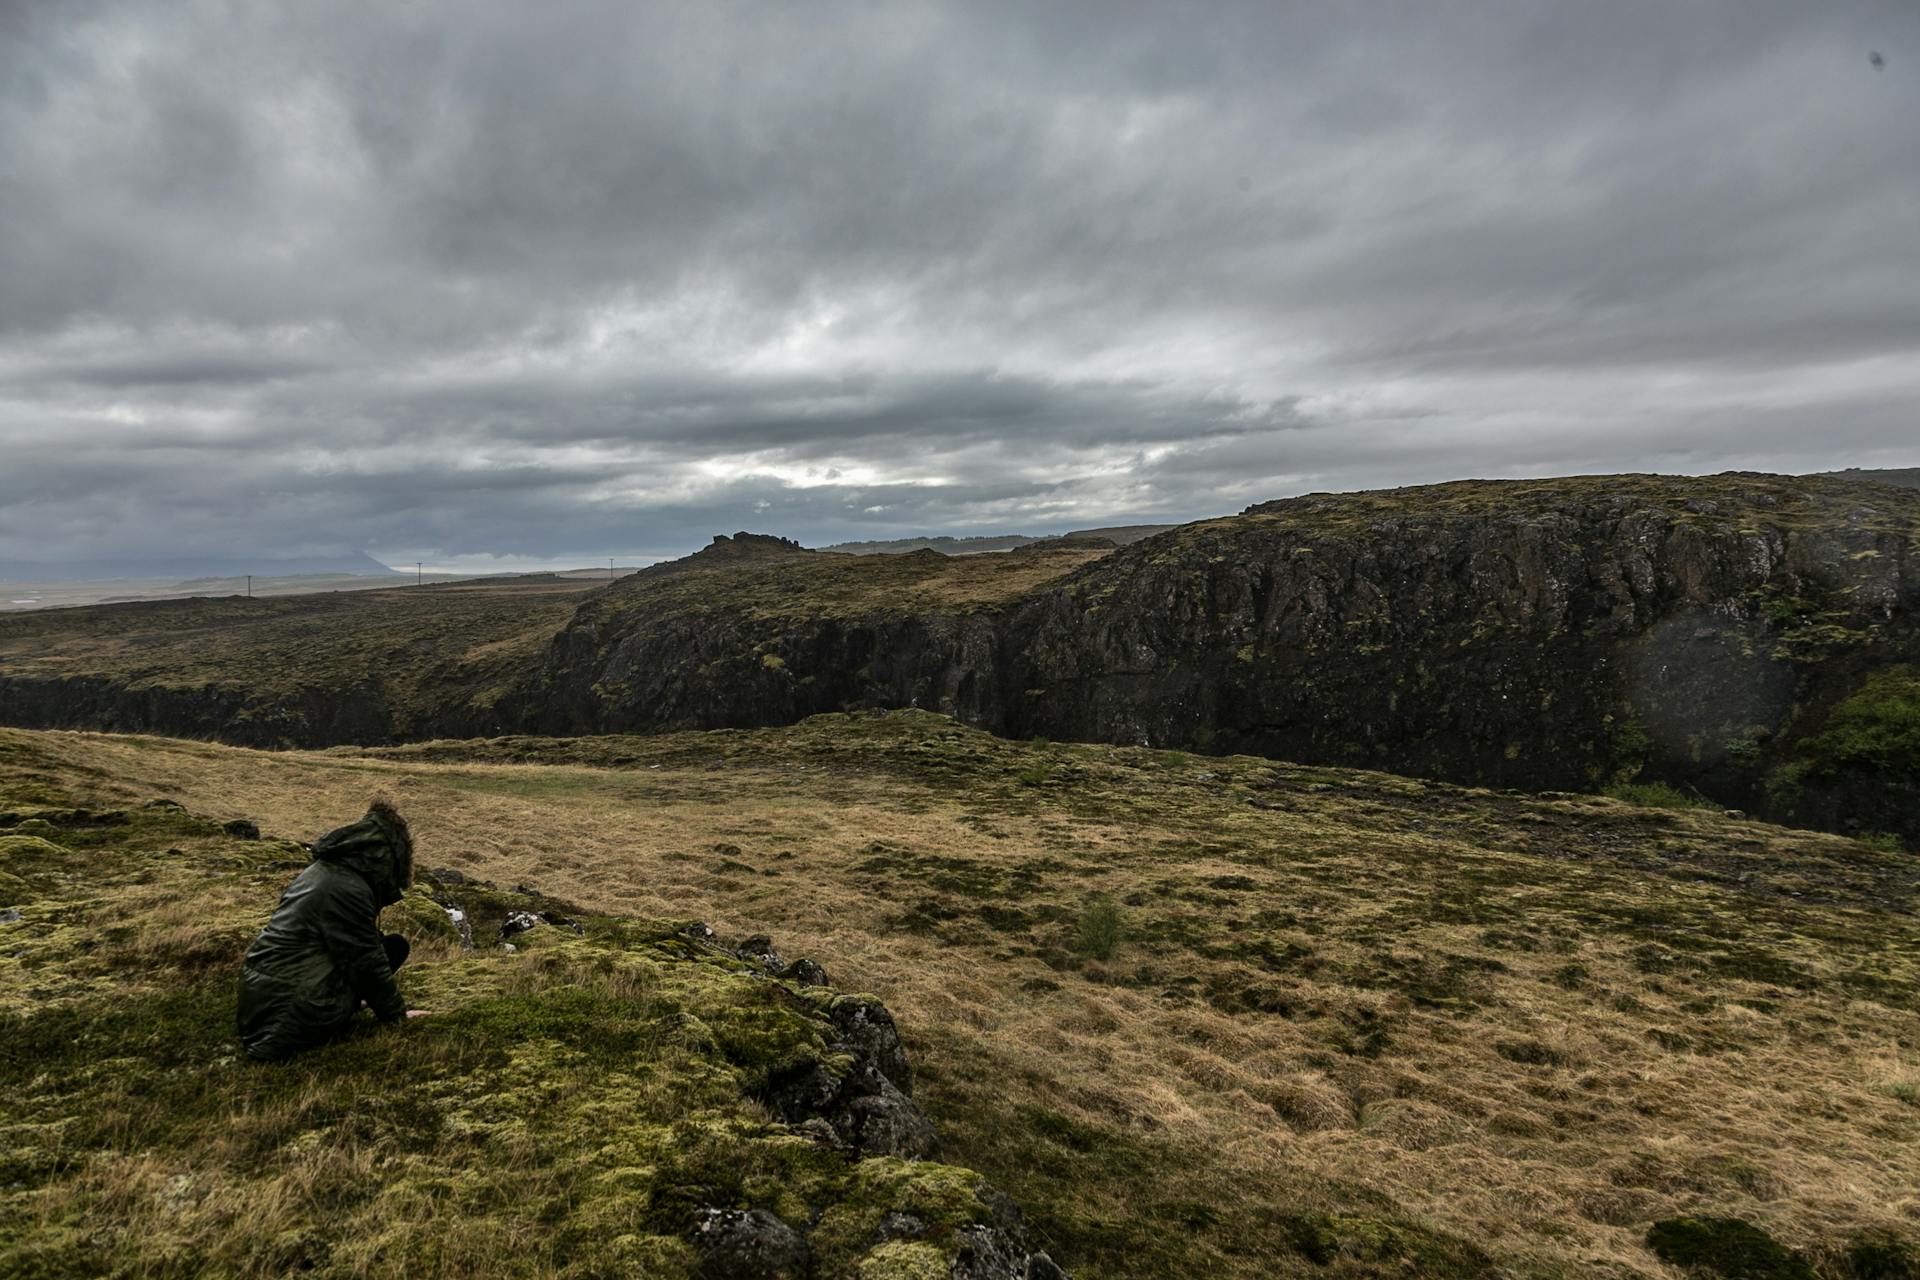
{"points": [[419, 917]]}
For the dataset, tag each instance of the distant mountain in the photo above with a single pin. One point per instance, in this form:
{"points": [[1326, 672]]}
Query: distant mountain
{"points": [[183, 567], [1119, 535], [1903, 477]]}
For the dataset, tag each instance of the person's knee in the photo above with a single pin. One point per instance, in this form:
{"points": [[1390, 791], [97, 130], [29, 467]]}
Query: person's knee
{"points": [[397, 951]]}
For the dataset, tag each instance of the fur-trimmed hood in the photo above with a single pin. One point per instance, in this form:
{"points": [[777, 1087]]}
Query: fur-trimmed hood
{"points": [[379, 848]]}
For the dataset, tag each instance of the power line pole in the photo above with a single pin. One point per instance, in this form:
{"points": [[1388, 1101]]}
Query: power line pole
{"points": [[249, 586], [419, 573], [609, 568]]}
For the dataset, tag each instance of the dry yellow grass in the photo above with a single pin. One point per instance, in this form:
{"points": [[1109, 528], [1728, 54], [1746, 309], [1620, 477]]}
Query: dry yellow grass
{"points": [[1539, 1024]]}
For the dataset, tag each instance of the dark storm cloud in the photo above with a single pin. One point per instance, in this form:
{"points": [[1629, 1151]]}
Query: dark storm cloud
{"points": [[452, 280]]}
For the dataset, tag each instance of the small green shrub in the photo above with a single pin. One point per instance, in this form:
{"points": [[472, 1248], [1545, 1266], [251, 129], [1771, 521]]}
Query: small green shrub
{"points": [[1034, 775], [1099, 929], [1884, 842], [1877, 729]]}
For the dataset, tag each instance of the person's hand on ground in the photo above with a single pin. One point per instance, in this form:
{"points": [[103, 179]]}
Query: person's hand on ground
{"points": [[416, 1013]]}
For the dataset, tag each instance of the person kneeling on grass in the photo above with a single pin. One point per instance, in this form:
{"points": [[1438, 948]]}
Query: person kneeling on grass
{"points": [[321, 957]]}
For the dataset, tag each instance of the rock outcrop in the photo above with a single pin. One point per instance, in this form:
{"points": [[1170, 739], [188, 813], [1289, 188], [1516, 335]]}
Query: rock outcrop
{"points": [[1566, 634]]}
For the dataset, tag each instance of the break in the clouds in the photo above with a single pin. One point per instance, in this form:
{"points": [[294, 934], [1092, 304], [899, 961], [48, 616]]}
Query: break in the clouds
{"points": [[452, 280]]}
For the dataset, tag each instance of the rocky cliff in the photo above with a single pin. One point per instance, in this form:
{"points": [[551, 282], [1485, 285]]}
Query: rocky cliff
{"points": [[1746, 638], [755, 631], [1744, 635]]}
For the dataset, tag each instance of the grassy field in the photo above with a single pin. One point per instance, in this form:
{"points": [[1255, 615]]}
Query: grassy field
{"points": [[1215, 1016], [578, 1103]]}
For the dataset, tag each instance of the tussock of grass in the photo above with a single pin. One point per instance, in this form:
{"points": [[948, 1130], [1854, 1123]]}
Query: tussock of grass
{"points": [[1099, 929], [1360, 1025]]}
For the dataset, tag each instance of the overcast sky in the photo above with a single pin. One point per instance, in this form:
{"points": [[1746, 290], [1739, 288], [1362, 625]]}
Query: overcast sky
{"points": [[450, 281]]}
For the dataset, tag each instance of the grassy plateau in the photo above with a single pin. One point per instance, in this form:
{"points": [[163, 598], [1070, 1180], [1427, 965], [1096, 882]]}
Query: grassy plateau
{"points": [[1198, 1016], [422, 646]]}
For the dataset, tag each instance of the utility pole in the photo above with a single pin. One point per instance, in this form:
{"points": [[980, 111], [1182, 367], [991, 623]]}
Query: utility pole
{"points": [[419, 573], [249, 586], [609, 568]]}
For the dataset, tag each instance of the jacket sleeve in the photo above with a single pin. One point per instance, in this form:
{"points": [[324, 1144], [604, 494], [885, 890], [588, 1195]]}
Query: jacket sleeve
{"points": [[354, 942]]}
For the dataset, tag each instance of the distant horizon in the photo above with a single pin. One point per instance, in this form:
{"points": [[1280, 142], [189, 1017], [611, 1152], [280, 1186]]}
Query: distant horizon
{"points": [[484, 564]]}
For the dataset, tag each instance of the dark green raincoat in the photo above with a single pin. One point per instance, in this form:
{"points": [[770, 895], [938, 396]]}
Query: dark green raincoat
{"points": [[321, 954]]}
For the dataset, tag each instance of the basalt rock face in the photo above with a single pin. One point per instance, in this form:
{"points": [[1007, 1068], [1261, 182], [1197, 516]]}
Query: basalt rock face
{"points": [[714, 670], [1564, 634], [756, 631], [315, 717]]}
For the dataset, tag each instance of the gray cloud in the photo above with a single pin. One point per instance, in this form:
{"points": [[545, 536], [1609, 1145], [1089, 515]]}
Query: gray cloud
{"points": [[553, 281]]}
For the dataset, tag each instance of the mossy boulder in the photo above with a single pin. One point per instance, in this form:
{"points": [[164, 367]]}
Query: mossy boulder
{"points": [[23, 856], [419, 917], [20, 848], [905, 1260]]}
